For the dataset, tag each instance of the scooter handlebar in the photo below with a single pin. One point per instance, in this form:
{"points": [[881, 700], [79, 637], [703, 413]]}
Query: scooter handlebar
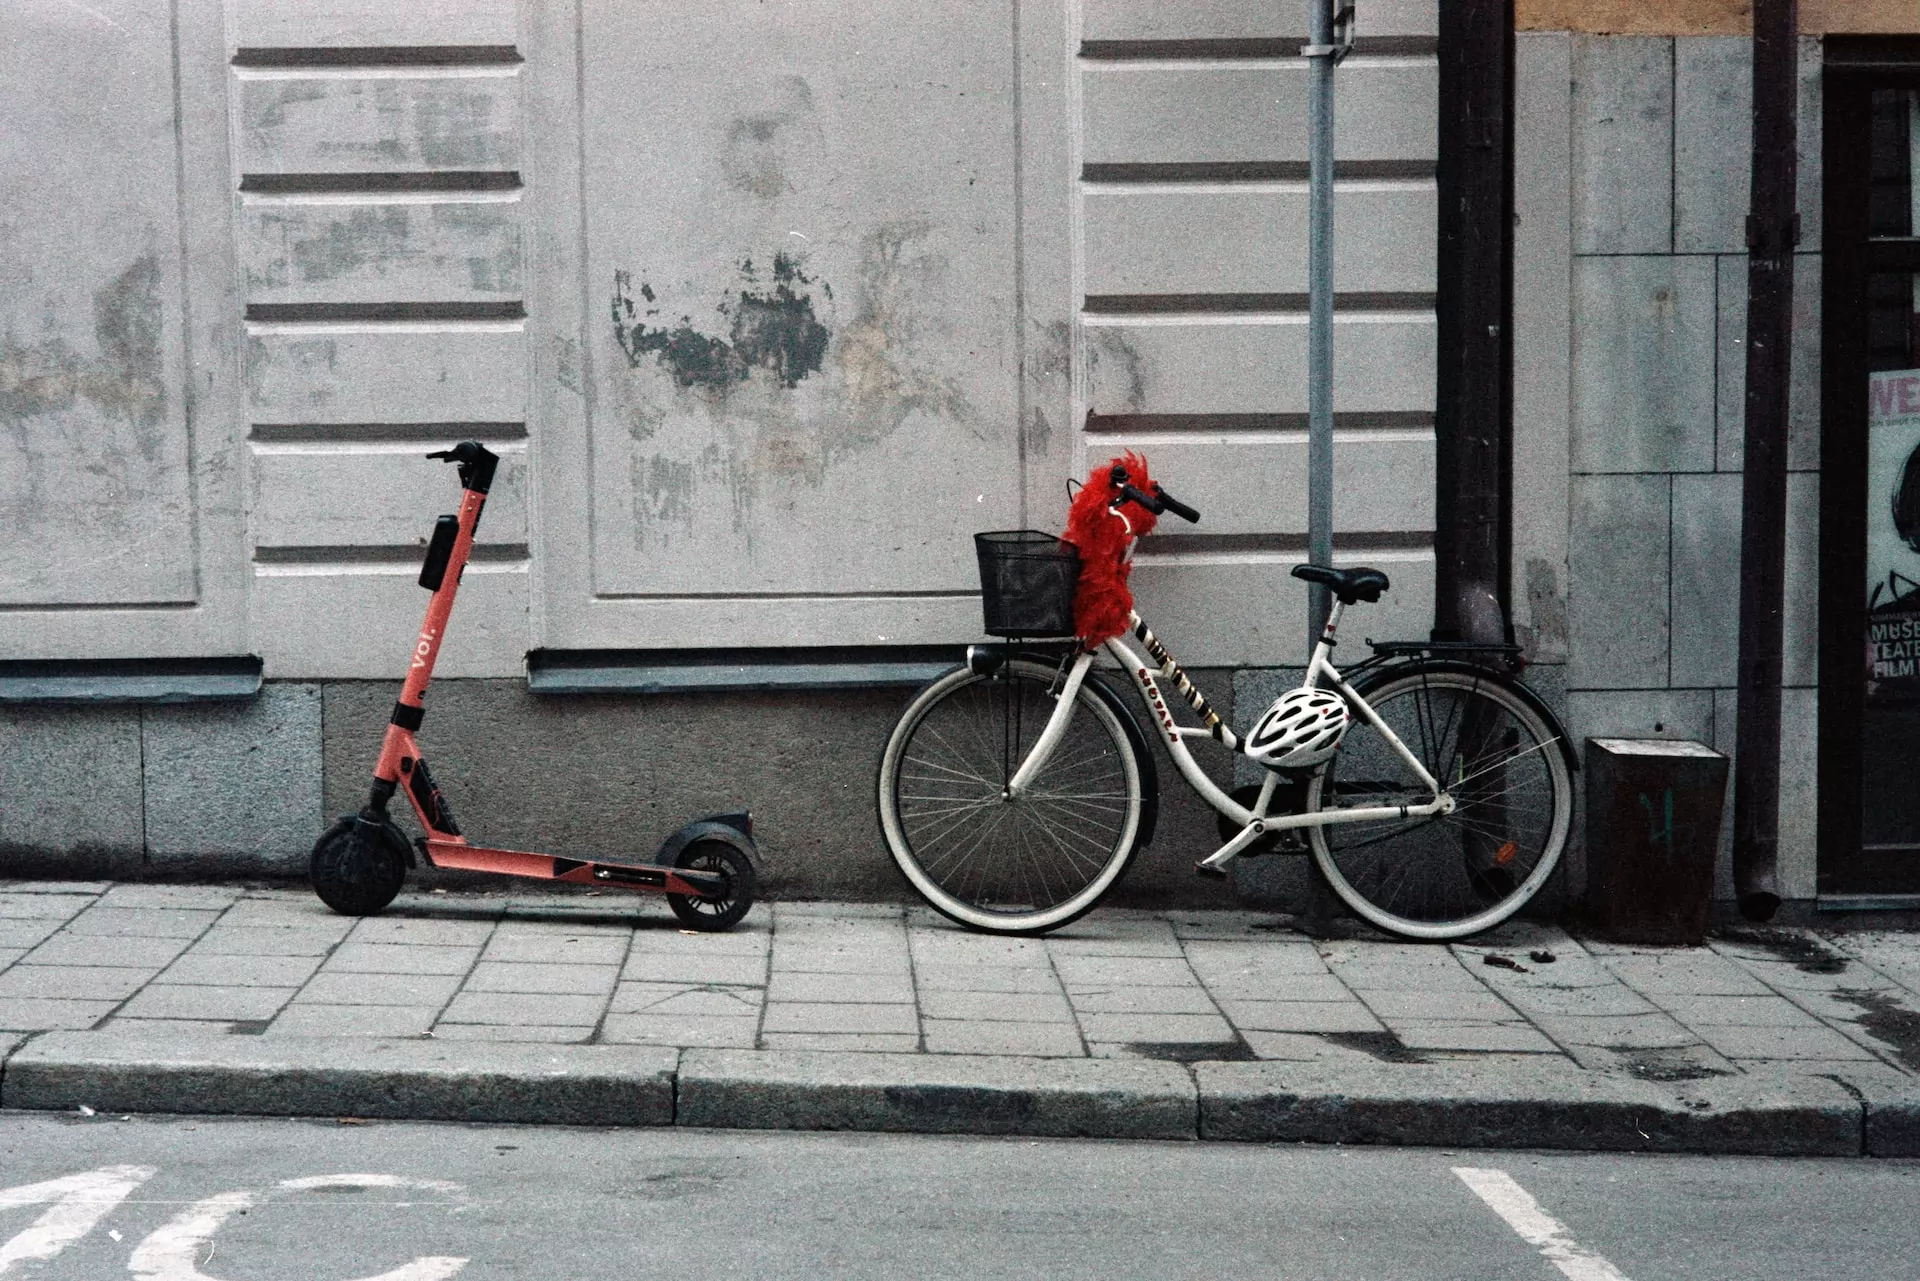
{"points": [[477, 464]]}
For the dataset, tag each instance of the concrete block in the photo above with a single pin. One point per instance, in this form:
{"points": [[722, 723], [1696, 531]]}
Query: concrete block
{"points": [[225, 1004], [130, 953], [1145, 1000], [72, 982], [1448, 1035], [936, 1094], [1617, 562], [235, 786], [515, 976], [334, 988], [39, 1014], [840, 1016], [242, 971], [141, 922], [1800, 657], [521, 1008], [843, 1042], [981, 1036], [1622, 144], [1542, 338], [983, 979], [1705, 631], [1803, 413], [1541, 1103], [1643, 364], [70, 790], [1712, 117], [126, 1071], [353, 1020], [711, 1031]]}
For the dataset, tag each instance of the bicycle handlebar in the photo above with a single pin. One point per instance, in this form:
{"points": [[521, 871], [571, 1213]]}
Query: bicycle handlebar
{"points": [[1158, 502]]}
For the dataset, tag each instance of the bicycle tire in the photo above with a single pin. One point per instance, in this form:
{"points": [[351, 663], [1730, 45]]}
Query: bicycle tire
{"points": [[1032, 864], [1452, 875]]}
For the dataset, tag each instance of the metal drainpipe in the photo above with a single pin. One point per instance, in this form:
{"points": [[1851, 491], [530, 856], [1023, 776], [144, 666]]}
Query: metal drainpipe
{"points": [[1773, 228], [1472, 405]]}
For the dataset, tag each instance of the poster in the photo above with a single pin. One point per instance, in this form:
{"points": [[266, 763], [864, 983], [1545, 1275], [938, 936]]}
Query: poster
{"points": [[1893, 531]]}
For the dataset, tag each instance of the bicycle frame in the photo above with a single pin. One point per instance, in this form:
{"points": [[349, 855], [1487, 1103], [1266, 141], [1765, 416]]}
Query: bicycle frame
{"points": [[1254, 822]]}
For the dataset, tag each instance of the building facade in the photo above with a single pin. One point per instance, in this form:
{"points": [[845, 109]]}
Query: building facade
{"points": [[768, 308]]}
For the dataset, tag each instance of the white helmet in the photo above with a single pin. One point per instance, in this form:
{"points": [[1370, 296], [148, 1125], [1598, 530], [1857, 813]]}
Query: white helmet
{"points": [[1303, 727]]}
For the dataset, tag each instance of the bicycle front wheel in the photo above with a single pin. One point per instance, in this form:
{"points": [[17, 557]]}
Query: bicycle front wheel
{"points": [[1009, 866], [1444, 876]]}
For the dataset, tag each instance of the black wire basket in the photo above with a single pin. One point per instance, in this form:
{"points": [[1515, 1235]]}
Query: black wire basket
{"points": [[1027, 580]]}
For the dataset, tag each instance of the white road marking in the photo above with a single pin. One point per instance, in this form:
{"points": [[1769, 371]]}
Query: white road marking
{"points": [[79, 1202], [172, 1252], [1536, 1227]]}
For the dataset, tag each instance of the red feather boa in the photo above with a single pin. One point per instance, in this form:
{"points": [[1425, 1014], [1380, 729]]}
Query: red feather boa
{"points": [[1103, 601]]}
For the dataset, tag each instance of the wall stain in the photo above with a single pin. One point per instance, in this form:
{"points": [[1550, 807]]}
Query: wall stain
{"points": [[788, 389], [883, 385], [773, 329], [1549, 610], [86, 457], [753, 158], [1110, 347]]}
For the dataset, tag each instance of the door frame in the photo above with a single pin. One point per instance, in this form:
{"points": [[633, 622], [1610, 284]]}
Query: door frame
{"points": [[1854, 67]]}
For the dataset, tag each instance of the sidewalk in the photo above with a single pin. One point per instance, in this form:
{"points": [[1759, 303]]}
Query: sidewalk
{"points": [[599, 1009]]}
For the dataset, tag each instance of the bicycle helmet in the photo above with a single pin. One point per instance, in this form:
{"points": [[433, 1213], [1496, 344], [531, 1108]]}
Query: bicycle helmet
{"points": [[1303, 727]]}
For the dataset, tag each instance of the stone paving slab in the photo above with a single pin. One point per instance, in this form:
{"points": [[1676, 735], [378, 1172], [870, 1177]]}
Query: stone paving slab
{"points": [[1184, 992]]}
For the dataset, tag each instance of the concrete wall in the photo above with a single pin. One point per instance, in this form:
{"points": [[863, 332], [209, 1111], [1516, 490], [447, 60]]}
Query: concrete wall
{"points": [[766, 309], [1629, 325]]}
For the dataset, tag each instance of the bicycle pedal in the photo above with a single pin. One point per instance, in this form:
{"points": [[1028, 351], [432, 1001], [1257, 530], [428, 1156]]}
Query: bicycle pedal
{"points": [[1211, 873]]}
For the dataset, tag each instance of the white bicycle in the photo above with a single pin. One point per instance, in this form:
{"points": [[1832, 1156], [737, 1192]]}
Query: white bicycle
{"points": [[1434, 790]]}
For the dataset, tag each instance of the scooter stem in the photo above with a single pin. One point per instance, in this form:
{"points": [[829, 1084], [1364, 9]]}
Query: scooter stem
{"points": [[477, 465]]}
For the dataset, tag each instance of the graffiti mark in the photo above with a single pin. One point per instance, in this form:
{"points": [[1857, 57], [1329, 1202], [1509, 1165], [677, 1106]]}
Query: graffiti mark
{"points": [[773, 329]]}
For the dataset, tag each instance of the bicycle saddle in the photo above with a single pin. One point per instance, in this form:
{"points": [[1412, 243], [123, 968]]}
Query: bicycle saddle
{"points": [[1350, 585]]}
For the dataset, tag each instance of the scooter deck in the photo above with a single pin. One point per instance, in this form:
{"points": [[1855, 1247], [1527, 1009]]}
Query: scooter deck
{"points": [[644, 877]]}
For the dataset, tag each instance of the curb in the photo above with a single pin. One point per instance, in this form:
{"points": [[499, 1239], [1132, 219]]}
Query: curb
{"points": [[300, 1076], [1495, 1104], [936, 1094], [1535, 1105]]}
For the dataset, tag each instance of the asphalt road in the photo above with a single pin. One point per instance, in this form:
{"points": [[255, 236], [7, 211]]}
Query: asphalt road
{"points": [[274, 1200]]}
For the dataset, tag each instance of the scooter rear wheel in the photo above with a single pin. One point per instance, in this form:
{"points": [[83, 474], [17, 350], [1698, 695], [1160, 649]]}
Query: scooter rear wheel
{"points": [[357, 867], [712, 914]]}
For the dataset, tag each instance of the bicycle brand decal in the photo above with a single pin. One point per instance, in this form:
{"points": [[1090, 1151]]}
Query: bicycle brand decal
{"points": [[1171, 670], [423, 647]]}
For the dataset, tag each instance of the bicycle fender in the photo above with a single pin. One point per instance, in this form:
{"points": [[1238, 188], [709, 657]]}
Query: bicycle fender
{"points": [[1142, 750], [1523, 691]]}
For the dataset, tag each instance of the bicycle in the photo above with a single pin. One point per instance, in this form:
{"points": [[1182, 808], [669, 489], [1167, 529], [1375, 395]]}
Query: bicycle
{"points": [[1016, 788]]}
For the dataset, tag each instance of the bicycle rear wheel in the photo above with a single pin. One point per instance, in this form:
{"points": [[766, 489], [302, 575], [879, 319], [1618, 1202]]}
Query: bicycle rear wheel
{"points": [[1021, 866], [1447, 875]]}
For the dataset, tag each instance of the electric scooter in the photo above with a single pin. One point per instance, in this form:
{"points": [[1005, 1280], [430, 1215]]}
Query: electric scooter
{"points": [[706, 869]]}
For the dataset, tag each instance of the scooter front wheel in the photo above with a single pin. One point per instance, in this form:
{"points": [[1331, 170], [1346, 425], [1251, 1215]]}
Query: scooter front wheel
{"points": [[726, 911], [357, 866]]}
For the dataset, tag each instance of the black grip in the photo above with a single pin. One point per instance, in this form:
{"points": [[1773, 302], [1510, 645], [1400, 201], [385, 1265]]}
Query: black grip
{"points": [[1129, 494], [1171, 504], [433, 571]]}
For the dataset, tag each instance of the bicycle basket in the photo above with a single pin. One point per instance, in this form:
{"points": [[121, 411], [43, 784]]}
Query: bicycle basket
{"points": [[1027, 580]]}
